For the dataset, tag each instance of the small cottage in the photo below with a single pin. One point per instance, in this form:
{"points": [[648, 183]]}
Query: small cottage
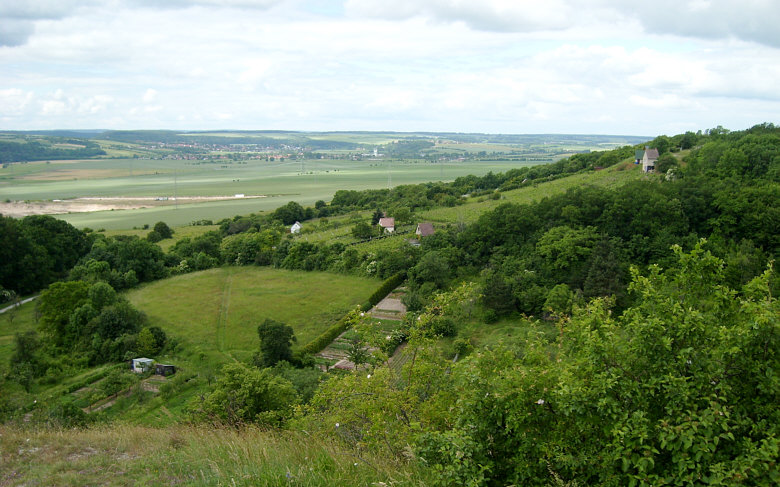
{"points": [[388, 224], [424, 229], [648, 159], [296, 227], [165, 369], [141, 365]]}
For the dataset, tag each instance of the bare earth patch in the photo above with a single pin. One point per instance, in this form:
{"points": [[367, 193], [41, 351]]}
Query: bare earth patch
{"points": [[20, 209]]}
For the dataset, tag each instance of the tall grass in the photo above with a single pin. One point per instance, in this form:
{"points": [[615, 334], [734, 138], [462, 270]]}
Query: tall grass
{"points": [[120, 455]]}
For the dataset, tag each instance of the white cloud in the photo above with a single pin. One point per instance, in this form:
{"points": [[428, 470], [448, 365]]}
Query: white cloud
{"points": [[150, 95], [14, 101], [751, 20], [499, 15]]}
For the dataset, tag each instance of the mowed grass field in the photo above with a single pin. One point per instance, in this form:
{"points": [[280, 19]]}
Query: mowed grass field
{"points": [[218, 310]]}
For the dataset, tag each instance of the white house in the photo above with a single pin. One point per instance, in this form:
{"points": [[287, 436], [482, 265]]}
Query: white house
{"points": [[296, 227], [388, 224]]}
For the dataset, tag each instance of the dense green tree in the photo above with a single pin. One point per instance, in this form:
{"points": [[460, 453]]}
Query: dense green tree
{"points": [[154, 236], [63, 243], [289, 213], [431, 268], [666, 162], [497, 293], [662, 143], [248, 395], [37, 250], [276, 339], [56, 305], [124, 254], [607, 273], [376, 216], [362, 230], [117, 319], [26, 354], [163, 229], [249, 248], [146, 344]]}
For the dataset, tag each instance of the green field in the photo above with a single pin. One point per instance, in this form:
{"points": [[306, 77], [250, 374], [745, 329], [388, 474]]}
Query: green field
{"points": [[608, 178], [278, 182], [218, 310]]}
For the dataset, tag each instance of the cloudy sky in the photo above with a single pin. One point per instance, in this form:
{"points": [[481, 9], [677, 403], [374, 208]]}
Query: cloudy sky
{"points": [[510, 66]]}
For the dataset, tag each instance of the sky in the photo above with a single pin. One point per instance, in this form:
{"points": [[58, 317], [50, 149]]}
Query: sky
{"points": [[493, 66]]}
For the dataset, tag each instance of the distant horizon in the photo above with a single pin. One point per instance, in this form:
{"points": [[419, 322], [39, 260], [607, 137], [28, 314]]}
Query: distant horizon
{"points": [[400, 132]]}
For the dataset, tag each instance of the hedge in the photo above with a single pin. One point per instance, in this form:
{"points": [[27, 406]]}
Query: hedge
{"points": [[386, 288], [322, 341], [325, 339]]}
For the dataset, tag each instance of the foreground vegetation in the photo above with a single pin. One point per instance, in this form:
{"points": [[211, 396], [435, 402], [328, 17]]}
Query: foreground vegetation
{"points": [[121, 455], [617, 334]]}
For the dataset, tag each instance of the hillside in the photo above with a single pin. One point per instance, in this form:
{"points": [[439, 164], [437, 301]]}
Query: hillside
{"points": [[122, 455], [576, 323]]}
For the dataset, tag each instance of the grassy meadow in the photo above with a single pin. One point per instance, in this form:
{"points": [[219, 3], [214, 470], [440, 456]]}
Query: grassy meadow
{"points": [[218, 310]]}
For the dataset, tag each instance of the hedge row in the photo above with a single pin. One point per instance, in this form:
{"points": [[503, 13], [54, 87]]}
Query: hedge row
{"points": [[386, 288], [325, 339]]}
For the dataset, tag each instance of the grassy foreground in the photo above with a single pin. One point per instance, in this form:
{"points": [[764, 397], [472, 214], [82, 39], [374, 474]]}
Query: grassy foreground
{"points": [[122, 455]]}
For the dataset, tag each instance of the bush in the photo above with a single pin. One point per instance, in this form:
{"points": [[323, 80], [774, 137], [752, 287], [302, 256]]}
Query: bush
{"points": [[163, 229], [154, 236]]}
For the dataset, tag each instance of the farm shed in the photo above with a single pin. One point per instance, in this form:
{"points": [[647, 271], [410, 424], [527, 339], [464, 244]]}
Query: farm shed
{"points": [[165, 369], [141, 365], [296, 227]]}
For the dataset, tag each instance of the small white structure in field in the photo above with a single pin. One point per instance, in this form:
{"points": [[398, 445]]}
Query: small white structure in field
{"points": [[141, 365], [388, 224], [296, 227]]}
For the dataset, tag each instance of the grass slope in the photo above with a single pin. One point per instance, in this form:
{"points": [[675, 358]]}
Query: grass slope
{"points": [[219, 309], [122, 455], [611, 177]]}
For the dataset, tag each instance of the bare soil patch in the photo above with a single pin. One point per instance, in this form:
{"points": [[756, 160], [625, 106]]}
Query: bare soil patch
{"points": [[20, 209]]}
